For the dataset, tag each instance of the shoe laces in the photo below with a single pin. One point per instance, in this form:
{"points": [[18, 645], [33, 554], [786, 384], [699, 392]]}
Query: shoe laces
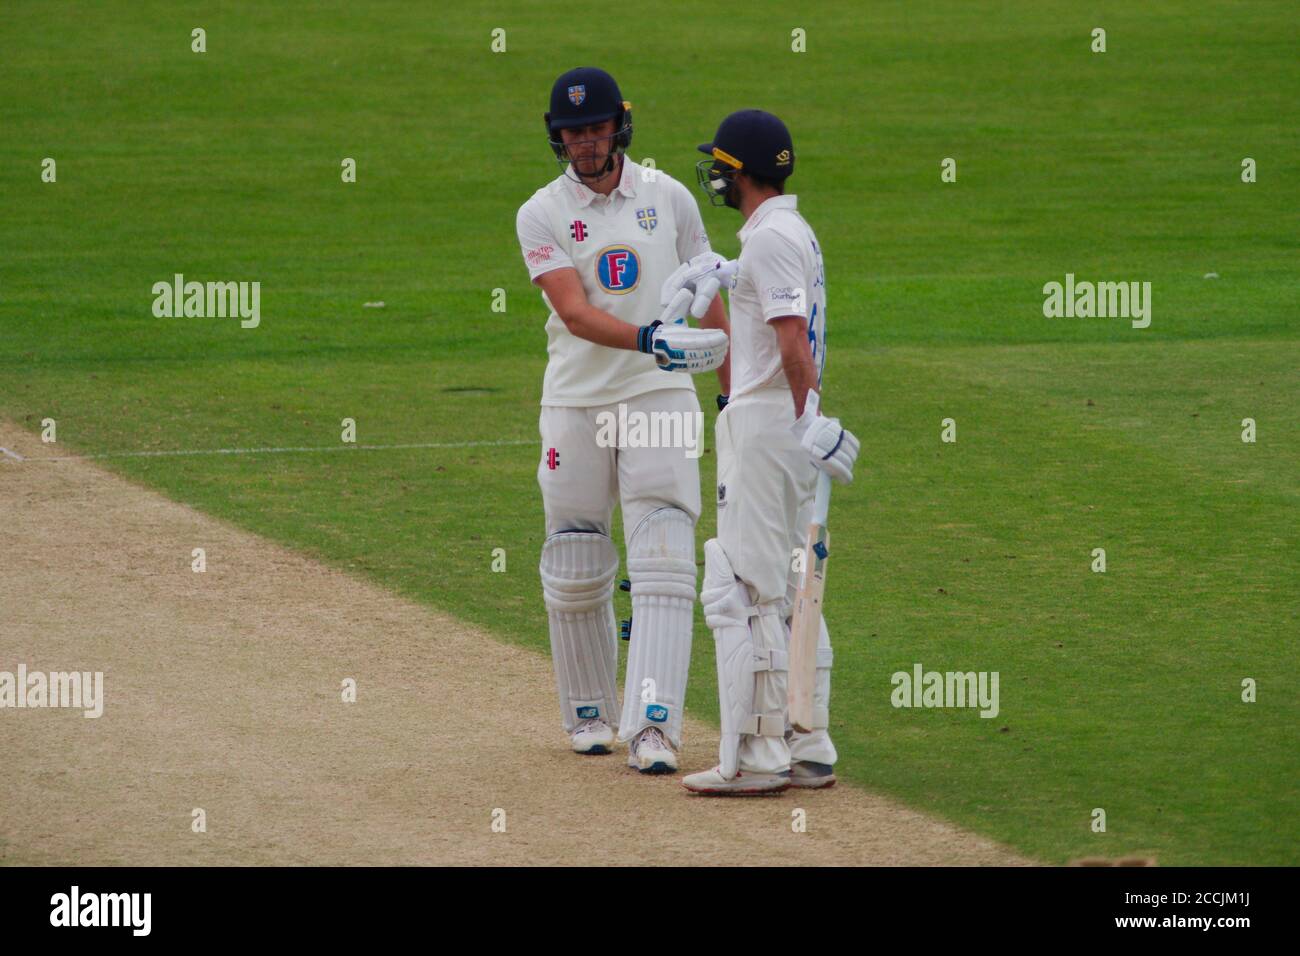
{"points": [[654, 737], [591, 723]]}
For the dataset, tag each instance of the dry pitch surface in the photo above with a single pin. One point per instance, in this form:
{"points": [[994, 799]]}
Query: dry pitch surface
{"points": [[223, 692]]}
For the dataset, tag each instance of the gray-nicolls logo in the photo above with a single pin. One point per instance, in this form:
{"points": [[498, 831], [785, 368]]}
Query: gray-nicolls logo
{"points": [[211, 300], [74, 908]]}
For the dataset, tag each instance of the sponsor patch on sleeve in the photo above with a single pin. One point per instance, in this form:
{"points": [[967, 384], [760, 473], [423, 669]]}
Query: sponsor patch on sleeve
{"points": [[540, 254], [785, 296]]}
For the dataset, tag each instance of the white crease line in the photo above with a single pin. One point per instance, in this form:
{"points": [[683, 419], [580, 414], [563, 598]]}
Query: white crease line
{"points": [[274, 451], [12, 454]]}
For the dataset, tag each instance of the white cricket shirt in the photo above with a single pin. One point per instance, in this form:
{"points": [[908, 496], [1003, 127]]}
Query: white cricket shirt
{"points": [[780, 273], [623, 246]]}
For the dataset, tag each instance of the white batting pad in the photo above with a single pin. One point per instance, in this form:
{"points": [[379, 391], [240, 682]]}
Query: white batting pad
{"points": [[817, 745], [752, 665], [661, 566], [578, 570]]}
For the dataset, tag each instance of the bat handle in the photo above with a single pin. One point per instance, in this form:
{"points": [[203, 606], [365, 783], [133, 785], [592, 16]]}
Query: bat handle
{"points": [[822, 501]]}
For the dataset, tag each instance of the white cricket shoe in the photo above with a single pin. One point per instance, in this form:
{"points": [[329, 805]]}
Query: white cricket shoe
{"points": [[713, 784], [592, 737], [810, 775], [650, 752]]}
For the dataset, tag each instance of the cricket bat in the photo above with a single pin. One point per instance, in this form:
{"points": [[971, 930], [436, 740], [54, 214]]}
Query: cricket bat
{"points": [[805, 624]]}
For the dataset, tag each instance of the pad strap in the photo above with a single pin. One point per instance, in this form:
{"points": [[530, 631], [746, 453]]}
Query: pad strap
{"points": [[771, 724], [770, 660]]}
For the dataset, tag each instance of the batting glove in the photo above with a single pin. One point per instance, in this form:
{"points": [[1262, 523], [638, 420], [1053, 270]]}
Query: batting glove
{"points": [[693, 286], [680, 348], [832, 447]]}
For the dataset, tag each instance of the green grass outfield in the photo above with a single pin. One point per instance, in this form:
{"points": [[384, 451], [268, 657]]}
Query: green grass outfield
{"points": [[1118, 690]]}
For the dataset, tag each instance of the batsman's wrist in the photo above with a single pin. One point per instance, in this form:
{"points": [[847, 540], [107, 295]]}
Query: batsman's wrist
{"points": [[645, 337]]}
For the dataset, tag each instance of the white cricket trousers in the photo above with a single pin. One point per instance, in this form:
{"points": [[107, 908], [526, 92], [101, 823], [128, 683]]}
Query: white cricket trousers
{"points": [[766, 485]]}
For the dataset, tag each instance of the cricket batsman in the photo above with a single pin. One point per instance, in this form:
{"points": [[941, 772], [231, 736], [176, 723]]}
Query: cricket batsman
{"points": [[771, 441], [599, 241]]}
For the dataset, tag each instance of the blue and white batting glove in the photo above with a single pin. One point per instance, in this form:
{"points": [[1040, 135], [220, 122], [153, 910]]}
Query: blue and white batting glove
{"points": [[680, 348]]}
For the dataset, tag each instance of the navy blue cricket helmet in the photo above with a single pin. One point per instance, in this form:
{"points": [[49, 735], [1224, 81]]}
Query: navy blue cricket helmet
{"points": [[583, 96], [750, 141]]}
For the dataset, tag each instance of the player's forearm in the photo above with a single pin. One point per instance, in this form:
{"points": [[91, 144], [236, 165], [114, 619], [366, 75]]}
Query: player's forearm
{"points": [[716, 318], [596, 325], [796, 358], [799, 373]]}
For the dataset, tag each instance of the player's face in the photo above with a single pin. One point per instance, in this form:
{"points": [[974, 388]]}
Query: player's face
{"points": [[719, 183], [588, 147]]}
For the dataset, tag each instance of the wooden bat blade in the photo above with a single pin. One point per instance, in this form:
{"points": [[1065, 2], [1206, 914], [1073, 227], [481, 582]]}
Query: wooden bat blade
{"points": [[805, 628]]}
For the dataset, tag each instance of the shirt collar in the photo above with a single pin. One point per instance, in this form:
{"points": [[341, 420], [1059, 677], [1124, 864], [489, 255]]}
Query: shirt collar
{"points": [[626, 184], [765, 207]]}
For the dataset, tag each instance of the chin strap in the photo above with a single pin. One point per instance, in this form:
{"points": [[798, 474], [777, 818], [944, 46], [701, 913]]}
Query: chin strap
{"points": [[588, 178]]}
